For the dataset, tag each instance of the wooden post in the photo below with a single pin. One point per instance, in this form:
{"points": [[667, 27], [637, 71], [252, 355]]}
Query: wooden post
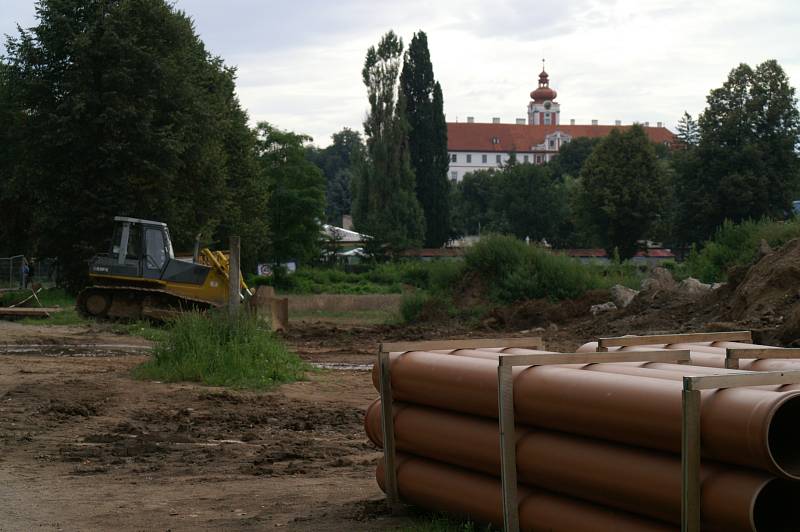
{"points": [[279, 313], [234, 277], [690, 459], [387, 426], [508, 446]]}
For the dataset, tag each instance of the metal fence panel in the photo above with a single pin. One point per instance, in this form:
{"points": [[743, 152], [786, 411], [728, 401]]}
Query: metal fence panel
{"points": [[11, 275]]}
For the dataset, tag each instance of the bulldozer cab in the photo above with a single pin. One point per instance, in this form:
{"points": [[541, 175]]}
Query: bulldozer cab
{"points": [[139, 248]]}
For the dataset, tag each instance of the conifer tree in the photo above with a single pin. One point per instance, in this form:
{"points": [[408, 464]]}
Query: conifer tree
{"points": [[427, 139], [688, 132]]}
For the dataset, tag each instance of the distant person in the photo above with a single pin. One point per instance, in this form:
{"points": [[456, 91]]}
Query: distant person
{"points": [[26, 271]]}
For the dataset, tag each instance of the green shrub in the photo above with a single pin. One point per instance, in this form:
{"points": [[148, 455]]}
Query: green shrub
{"points": [[495, 256], [514, 271], [216, 350], [737, 244], [412, 305]]}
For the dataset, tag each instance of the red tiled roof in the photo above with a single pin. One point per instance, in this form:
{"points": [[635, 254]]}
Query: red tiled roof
{"points": [[466, 136], [433, 252], [599, 253], [655, 253]]}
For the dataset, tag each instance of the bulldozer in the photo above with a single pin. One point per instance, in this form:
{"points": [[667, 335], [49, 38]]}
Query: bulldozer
{"points": [[139, 277]]}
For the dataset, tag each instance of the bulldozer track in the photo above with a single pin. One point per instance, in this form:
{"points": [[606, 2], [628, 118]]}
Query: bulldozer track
{"points": [[133, 299]]}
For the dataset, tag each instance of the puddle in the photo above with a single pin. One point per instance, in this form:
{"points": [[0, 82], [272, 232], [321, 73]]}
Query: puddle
{"points": [[72, 350], [342, 366]]}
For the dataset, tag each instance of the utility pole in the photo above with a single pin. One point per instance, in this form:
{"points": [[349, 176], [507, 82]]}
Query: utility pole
{"points": [[234, 277]]}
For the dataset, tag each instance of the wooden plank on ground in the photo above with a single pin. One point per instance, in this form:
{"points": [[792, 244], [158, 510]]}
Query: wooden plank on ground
{"points": [[28, 312]]}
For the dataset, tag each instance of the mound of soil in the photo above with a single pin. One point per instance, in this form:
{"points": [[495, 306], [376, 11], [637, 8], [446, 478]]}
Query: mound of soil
{"points": [[768, 294], [543, 312]]}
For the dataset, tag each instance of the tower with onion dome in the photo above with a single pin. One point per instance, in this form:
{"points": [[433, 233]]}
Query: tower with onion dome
{"points": [[542, 109]]}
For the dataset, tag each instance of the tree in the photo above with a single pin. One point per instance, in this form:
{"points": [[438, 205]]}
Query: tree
{"points": [[688, 131], [336, 162], [535, 204], [746, 163], [571, 156], [477, 206], [522, 199], [385, 204], [125, 113], [296, 195], [427, 139], [621, 189]]}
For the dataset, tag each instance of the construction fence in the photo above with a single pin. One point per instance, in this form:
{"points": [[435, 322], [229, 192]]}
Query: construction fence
{"points": [[12, 272]]}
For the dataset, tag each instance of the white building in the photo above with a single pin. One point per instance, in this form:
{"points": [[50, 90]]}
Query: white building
{"points": [[475, 146]]}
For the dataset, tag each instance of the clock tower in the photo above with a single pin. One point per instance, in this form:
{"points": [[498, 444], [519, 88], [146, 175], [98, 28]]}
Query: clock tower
{"points": [[543, 110]]}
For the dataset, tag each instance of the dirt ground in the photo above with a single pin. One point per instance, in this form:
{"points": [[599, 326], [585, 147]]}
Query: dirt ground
{"points": [[85, 447]]}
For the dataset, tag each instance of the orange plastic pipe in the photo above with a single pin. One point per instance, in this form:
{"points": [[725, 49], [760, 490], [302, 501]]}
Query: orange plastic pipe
{"points": [[458, 491], [627, 478], [754, 428]]}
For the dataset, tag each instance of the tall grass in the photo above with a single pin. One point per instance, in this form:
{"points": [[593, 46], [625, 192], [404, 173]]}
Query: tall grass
{"points": [[219, 351], [737, 244]]}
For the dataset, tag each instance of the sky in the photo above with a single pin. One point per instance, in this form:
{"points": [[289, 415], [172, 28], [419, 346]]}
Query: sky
{"points": [[299, 63]]}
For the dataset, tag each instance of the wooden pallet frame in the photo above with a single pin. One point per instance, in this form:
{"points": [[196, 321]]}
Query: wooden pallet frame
{"points": [[505, 401], [387, 402], [691, 445], [628, 341], [733, 355]]}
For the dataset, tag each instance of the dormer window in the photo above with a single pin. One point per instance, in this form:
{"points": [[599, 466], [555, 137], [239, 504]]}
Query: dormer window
{"points": [[495, 140]]}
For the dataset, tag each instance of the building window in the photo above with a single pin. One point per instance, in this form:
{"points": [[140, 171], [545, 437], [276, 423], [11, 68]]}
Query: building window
{"points": [[469, 157], [453, 175], [453, 158], [538, 159], [495, 140], [547, 118], [552, 143], [525, 159], [483, 158], [499, 160]]}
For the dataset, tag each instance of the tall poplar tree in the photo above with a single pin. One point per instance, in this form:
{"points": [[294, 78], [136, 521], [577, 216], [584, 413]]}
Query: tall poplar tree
{"points": [[427, 139], [385, 204]]}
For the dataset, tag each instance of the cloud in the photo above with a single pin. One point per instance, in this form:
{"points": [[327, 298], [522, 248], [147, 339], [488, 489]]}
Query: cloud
{"points": [[299, 64]]}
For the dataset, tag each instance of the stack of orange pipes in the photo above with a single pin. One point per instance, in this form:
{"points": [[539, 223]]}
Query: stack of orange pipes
{"points": [[597, 445]]}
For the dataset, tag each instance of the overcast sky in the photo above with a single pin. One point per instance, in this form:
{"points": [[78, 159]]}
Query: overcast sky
{"points": [[299, 63]]}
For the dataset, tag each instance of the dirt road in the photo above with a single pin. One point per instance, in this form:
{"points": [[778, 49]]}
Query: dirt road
{"points": [[85, 447]]}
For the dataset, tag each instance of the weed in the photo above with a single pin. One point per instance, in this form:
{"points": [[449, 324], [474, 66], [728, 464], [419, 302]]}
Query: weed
{"points": [[220, 351]]}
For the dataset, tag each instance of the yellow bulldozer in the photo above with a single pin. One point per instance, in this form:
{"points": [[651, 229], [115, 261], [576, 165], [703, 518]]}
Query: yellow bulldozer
{"points": [[139, 277]]}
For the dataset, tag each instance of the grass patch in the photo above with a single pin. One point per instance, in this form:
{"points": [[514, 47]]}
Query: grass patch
{"points": [[143, 328], [49, 297], [213, 349], [442, 523], [388, 278]]}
